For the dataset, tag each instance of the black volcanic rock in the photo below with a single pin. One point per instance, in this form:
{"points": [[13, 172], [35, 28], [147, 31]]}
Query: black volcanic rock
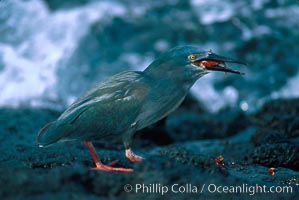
{"points": [[277, 141], [62, 170]]}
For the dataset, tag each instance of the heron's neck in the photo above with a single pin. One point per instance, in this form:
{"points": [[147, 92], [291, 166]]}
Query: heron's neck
{"points": [[176, 78]]}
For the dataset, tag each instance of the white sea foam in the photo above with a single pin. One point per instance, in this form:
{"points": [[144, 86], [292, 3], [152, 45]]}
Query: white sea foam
{"points": [[35, 41], [40, 40], [208, 13], [214, 100], [290, 90]]}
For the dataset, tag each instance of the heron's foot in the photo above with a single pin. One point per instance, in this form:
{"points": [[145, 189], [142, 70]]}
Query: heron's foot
{"points": [[113, 163], [132, 156], [102, 167]]}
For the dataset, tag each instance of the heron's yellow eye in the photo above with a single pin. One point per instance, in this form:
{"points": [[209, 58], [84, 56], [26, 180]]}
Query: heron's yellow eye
{"points": [[192, 57]]}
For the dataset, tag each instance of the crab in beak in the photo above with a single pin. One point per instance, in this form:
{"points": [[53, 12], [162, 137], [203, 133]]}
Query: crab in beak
{"points": [[213, 62]]}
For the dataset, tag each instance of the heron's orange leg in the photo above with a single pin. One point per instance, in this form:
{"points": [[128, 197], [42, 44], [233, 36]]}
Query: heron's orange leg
{"points": [[99, 164]]}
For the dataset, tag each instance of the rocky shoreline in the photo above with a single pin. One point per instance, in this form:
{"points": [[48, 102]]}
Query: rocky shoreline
{"points": [[249, 144]]}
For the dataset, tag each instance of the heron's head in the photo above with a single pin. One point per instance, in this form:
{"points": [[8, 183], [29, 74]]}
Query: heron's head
{"points": [[190, 61]]}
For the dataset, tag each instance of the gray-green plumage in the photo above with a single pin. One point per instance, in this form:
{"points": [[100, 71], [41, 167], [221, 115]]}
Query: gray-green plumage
{"points": [[105, 110], [132, 100]]}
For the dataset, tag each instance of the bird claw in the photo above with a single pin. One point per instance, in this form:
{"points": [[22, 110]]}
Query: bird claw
{"points": [[113, 163], [132, 156], [109, 168], [100, 165]]}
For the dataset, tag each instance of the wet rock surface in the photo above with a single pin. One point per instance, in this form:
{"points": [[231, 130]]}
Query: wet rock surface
{"points": [[248, 144], [276, 141]]}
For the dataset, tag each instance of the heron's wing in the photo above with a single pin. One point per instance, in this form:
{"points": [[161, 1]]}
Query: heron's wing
{"points": [[125, 91], [109, 108]]}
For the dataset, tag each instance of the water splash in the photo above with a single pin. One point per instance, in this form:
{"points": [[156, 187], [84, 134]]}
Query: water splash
{"points": [[36, 44], [36, 41]]}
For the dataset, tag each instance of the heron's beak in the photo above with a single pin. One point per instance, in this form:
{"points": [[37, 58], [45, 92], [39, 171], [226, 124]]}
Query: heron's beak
{"points": [[213, 62]]}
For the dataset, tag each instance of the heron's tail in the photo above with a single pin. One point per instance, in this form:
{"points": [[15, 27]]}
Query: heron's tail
{"points": [[47, 135]]}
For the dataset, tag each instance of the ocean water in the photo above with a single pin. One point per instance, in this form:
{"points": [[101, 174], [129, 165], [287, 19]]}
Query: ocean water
{"points": [[52, 51]]}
